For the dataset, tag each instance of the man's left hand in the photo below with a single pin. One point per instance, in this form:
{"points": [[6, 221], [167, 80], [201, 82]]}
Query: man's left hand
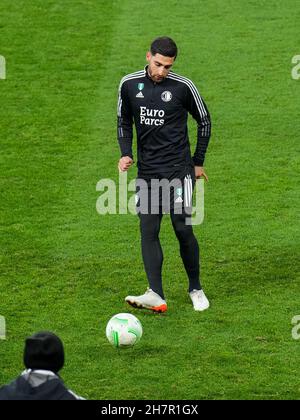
{"points": [[199, 172]]}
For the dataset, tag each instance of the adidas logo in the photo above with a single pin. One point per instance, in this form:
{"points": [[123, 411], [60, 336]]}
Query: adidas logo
{"points": [[140, 95], [179, 200]]}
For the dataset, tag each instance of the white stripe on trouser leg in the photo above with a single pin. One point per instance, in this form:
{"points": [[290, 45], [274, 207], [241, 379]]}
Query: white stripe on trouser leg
{"points": [[191, 192], [185, 190], [188, 190]]}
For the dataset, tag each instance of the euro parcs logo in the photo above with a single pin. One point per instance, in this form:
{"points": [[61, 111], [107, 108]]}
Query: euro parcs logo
{"points": [[2, 328], [2, 68]]}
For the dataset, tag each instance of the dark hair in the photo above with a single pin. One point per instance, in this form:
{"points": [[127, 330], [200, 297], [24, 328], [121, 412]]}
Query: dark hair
{"points": [[164, 46], [44, 350]]}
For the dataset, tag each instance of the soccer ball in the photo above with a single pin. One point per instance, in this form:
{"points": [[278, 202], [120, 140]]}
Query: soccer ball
{"points": [[124, 330]]}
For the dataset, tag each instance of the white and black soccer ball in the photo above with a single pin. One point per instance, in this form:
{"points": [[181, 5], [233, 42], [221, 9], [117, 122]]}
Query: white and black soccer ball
{"points": [[124, 330]]}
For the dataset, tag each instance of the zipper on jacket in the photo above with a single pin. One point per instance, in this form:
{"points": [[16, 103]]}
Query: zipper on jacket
{"points": [[152, 101]]}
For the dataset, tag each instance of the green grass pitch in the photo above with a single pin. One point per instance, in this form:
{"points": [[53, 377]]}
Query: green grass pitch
{"points": [[65, 268]]}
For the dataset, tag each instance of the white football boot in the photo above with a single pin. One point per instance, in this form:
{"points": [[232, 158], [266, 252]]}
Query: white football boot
{"points": [[149, 300], [199, 300]]}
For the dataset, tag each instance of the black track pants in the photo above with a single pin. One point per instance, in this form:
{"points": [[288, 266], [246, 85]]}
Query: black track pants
{"points": [[153, 254]]}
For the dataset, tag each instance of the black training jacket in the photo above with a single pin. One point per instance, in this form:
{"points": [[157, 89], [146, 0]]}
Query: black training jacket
{"points": [[160, 112], [20, 390]]}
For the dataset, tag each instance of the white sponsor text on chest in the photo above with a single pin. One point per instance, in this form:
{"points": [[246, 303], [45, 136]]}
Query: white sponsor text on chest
{"points": [[151, 116]]}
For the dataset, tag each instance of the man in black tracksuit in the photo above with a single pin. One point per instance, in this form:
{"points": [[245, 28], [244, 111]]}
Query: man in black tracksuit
{"points": [[158, 101]]}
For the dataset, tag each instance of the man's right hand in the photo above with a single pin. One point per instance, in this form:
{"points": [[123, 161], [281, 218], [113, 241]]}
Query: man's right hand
{"points": [[124, 163]]}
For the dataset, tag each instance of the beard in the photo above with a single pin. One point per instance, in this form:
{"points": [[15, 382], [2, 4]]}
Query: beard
{"points": [[155, 78]]}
